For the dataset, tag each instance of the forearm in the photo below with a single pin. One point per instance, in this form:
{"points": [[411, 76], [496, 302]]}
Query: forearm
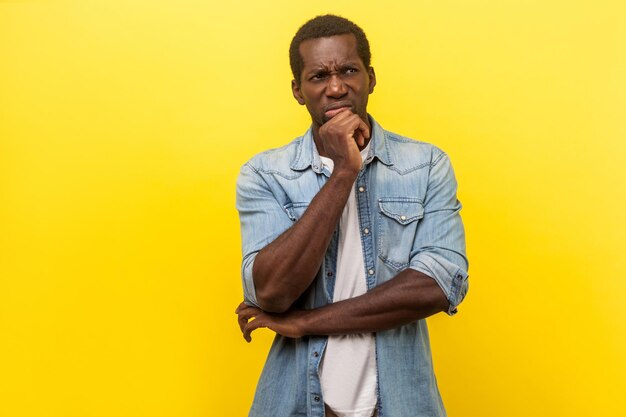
{"points": [[285, 268], [407, 297]]}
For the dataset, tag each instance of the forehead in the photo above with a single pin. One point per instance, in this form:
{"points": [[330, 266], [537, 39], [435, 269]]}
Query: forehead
{"points": [[329, 51]]}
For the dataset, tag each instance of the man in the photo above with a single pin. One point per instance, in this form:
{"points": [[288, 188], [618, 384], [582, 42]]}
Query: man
{"points": [[351, 237]]}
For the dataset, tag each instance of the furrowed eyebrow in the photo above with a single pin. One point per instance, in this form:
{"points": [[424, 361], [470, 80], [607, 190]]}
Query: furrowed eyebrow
{"points": [[350, 64], [317, 70], [326, 70]]}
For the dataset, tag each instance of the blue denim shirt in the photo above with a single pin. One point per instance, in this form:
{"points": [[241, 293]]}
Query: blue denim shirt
{"points": [[406, 198]]}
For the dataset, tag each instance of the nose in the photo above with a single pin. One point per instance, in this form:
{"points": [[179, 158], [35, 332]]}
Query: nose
{"points": [[336, 87]]}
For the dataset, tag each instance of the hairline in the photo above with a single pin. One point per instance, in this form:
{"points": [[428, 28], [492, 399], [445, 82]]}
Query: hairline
{"points": [[344, 27]]}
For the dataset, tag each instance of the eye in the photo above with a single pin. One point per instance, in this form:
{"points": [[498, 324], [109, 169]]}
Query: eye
{"points": [[351, 70], [318, 76]]}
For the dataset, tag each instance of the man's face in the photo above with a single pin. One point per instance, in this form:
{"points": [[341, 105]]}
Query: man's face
{"points": [[333, 78]]}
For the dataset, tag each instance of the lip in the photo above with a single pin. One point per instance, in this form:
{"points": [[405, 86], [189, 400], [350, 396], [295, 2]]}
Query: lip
{"points": [[334, 109], [337, 105]]}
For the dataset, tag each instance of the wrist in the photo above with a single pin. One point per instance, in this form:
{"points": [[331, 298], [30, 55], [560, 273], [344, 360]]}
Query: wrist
{"points": [[304, 322], [347, 174]]}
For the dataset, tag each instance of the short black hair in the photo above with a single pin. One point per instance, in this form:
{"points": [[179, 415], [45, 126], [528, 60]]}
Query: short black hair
{"points": [[322, 27]]}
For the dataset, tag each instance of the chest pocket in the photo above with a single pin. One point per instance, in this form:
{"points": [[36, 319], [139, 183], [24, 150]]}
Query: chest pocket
{"points": [[295, 210], [397, 222]]}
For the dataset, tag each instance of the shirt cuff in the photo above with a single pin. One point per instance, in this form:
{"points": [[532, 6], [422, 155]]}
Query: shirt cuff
{"points": [[249, 291], [452, 279]]}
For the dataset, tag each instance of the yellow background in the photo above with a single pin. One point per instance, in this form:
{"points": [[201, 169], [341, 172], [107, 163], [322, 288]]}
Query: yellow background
{"points": [[122, 129]]}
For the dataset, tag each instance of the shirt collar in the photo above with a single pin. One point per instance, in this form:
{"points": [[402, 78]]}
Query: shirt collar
{"points": [[308, 156]]}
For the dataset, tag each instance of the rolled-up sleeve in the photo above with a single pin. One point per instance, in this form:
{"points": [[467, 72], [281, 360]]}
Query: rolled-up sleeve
{"points": [[262, 219], [439, 247]]}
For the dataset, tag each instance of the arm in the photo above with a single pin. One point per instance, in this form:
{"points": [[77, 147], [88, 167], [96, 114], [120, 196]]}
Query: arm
{"points": [[285, 268], [407, 297], [435, 281]]}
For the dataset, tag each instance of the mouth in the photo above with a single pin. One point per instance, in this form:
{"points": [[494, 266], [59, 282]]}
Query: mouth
{"points": [[334, 109]]}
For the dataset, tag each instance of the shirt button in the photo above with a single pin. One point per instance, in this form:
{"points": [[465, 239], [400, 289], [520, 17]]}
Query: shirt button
{"points": [[317, 399], [315, 354], [371, 272], [329, 274], [366, 231], [361, 189], [402, 217]]}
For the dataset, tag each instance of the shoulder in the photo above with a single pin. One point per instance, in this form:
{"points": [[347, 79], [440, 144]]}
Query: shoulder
{"points": [[276, 159], [410, 154]]}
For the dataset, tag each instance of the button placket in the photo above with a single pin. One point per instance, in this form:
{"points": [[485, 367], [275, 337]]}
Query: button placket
{"points": [[366, 228]]}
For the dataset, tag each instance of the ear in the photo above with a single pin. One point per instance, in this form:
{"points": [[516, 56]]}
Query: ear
{"points": [[297, 93], [372, 75]]}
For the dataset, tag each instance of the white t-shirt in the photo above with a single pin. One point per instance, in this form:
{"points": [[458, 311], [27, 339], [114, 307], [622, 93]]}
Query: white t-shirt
{"points": [[348, 368]]}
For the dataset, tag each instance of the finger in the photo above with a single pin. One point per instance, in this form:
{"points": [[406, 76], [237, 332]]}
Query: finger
{"points": [[365, 131], [346, 112], [242, 322], [252, 326], [249, 312], [246, 313], [358, 137], [356, 124], [245, 307], [339, 118], [240, 306]]}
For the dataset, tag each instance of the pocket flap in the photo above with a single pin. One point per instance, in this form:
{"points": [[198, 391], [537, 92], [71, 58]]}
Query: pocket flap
{"points": [[403, 210]]}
